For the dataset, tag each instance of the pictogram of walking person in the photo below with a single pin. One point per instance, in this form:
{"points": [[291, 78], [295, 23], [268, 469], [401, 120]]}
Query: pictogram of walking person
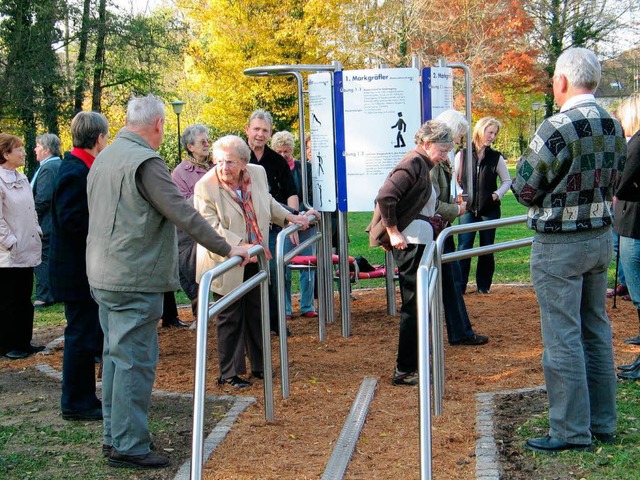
{"points": [[402, 127]]}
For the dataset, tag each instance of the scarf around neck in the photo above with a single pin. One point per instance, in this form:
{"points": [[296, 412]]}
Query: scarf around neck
{"points": [[245, 201]]}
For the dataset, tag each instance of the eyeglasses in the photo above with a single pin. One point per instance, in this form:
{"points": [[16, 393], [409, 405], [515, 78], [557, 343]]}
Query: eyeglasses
{"points": [[204, 142]]}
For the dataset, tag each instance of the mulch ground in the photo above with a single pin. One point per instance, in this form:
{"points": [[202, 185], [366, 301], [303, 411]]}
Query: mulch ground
{"points": [[325, 377]]}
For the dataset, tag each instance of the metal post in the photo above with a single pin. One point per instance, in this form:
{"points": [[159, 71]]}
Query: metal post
{"points": [[204, 313]]}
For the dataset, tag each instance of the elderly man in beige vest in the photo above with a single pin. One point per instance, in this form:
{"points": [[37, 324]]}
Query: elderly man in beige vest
{"points": [[132, 259]]}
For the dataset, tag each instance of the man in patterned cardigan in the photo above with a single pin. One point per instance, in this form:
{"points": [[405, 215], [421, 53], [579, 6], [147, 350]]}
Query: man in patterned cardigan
{"points": [[566, 178]]}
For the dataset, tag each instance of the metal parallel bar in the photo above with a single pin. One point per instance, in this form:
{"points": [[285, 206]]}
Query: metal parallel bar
{"points": [[327, 262], [426, 281], [346, 443], [467, 104], [390, 283], [281, 258], [201, 344], [345, 285]]}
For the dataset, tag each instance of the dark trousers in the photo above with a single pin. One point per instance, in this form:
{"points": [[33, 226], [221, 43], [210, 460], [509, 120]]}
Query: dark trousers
{"points": [[455, 311], [43, 290], [408, 261], [187, 250], [486, 263], [273, 290], [239, 328], [16, 309], [82, 345], [169, 307]]}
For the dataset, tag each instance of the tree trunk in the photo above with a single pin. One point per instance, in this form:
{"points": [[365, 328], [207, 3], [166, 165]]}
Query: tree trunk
{"points": [[81, 68], [98, 66]]}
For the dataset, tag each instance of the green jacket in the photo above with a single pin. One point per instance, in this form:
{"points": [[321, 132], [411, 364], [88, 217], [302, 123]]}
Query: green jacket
{"points": [[130, 246]]}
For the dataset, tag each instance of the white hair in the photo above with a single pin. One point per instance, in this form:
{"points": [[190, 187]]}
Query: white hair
{"points": [[144, 111], [283, 139], [581, 67], [233, 144], [456, 121]]}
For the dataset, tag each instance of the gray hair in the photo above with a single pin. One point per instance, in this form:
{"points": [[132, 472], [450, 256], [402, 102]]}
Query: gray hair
{"points": [[51, 142], [433, 131], [581, 67], [283, 139], [144, 111], [191, 132], [233, 144], [261, 115], [456, 121], [86, 128]]}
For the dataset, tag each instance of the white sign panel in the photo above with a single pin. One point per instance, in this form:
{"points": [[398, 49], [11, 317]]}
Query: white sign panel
{"points": [[381, 117], [439, 95], [322, 142]]}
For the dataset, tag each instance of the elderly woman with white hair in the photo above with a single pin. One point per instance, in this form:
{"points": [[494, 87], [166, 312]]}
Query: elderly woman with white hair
{"points": [[234, 197], [459, 330], [405, 202], [283, 143]]}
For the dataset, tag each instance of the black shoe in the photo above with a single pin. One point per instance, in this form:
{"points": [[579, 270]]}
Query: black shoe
{"points": [[549, 444], [474, 339], [483, 290], [149, 460], [93, 414], [37, 349], [633, 340], [607, 438], [234, 381], [630, 375], [174, 322], [106, 450], [277, 332], [630, 366], [404, 378], [17, 354]]}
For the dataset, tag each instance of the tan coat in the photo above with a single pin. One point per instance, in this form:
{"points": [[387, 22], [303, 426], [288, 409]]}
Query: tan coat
{"points": [[226, 217]]}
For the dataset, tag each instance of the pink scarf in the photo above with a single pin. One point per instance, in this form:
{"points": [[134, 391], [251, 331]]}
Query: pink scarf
{"points": [[254, 236]]}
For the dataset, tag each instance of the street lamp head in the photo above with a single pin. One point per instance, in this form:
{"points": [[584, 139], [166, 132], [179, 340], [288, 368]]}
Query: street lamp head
{"points": [[177, 106], [536, 106]]}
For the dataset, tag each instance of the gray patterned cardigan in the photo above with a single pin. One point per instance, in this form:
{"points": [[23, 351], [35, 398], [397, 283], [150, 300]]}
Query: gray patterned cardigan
{"points": [[568, 174]]}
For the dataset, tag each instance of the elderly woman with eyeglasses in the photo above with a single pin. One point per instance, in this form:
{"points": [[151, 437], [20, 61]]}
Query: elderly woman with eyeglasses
{"points": [[400, 223], [234, 197], [20, 248], [195, 140]]}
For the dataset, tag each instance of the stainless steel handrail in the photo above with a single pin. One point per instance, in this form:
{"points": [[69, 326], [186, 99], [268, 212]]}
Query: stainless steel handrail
{"points": [[281, 260], [204, 313], [430, 312]]}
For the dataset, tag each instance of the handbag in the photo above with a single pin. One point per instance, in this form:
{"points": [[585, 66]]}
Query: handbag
{"points": [[437, 221]]}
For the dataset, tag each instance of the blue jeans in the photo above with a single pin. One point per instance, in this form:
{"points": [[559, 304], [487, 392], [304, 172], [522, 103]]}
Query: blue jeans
{"points": [[486, 263], [630, 259], [455, 311], [129, 321], [570, 280], [307, 277]]}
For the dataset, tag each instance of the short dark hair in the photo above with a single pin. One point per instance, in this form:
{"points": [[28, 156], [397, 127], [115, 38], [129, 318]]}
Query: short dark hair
{"points": [[86, 127], [7, 143]]}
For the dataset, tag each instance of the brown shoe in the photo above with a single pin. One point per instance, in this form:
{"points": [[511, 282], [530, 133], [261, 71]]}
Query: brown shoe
{"points": [[149, 460]]}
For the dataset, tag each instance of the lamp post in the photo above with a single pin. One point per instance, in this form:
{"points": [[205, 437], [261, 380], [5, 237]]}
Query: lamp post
{"points": [[177, 109], [536, 106]]}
